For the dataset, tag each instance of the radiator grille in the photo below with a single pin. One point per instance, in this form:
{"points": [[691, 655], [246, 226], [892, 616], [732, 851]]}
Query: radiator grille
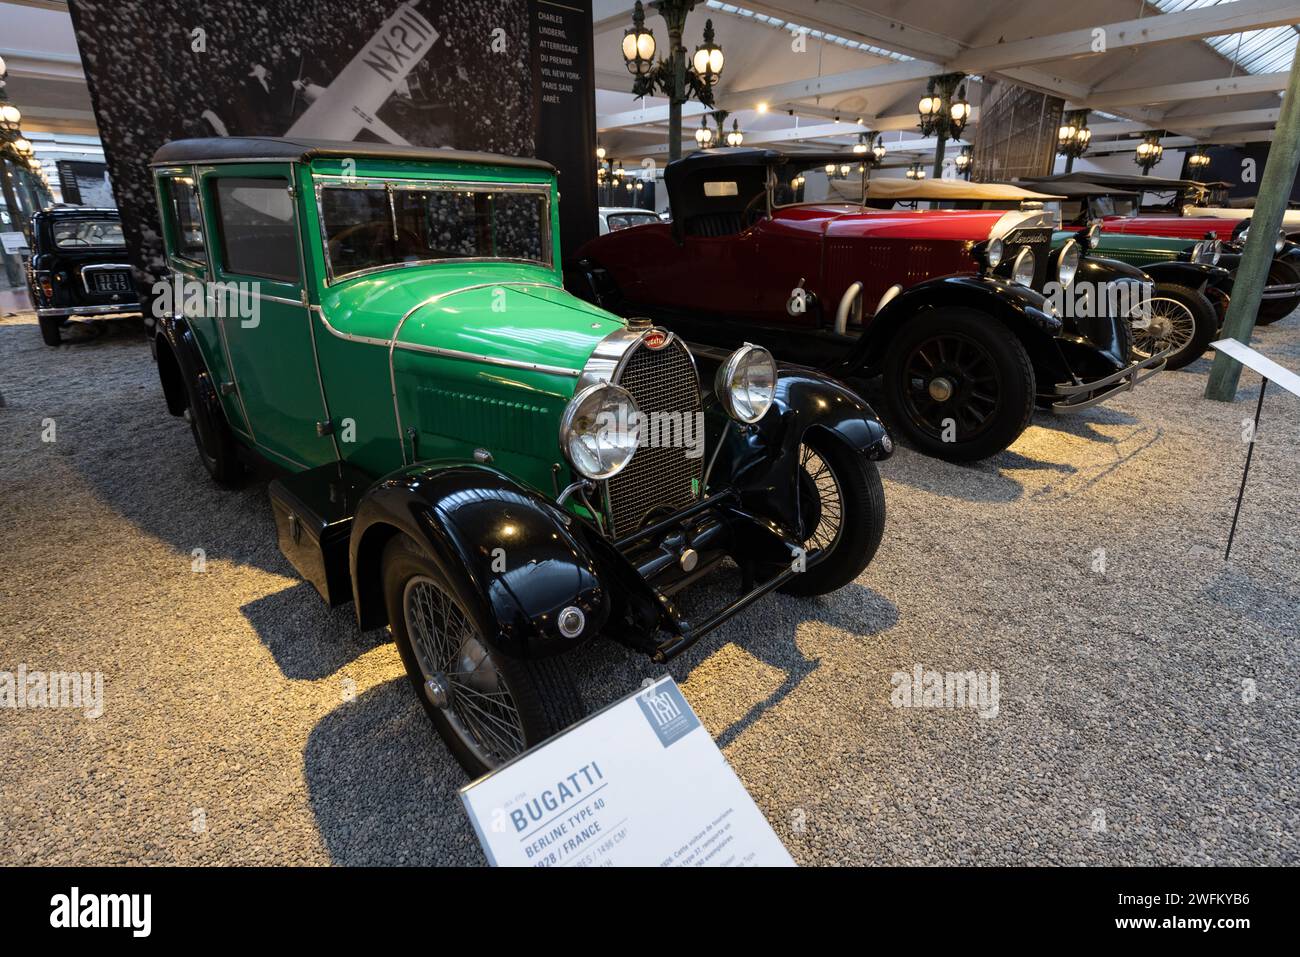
{"points": [[661, 478], [1039, 241]]}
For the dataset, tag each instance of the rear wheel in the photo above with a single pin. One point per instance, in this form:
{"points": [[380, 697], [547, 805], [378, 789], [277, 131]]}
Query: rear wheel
{"points": [[50, 326], [487, 707], [1177, 318], [212, 435], [1271, 310], [842, 505], [958, 384]]}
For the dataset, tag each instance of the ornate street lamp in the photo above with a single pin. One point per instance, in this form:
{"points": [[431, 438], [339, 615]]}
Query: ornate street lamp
{"points": [[916, 171], [600, 152], [10, 118], [735, 137], [1074, 137], [963, 161], [639, 45], [704, 135], [669, 76], [707, 61], [1149, 152], [944, 112]]}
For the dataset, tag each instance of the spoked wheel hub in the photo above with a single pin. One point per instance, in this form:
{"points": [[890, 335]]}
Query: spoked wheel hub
{"points": [[460, 677], [951, 379], [821, 502], [1168, 323]]}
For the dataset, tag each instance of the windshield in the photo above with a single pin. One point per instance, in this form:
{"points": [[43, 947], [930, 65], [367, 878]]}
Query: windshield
{"points": [[617, 221], [374, 225], [818, 183], [1113, 206], [83, 234]]}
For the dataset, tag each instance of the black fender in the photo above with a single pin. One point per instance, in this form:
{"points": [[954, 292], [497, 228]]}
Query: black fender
{"points": [[761, 461], [515, 558], [179, 360], [1024, 311], [1192, 275]]}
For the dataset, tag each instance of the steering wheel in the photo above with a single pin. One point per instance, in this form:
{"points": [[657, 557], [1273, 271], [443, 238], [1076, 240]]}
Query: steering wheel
{"points": [[751, 214]]}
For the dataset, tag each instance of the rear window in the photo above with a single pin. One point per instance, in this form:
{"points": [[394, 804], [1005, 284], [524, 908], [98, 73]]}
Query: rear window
{"points": [[624, 220], [87, 234], [258, 237]]}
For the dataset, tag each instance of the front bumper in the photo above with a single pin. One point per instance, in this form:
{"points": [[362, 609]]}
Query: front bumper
{"points": [[67, 312], [673, 553], [1084, 395]]}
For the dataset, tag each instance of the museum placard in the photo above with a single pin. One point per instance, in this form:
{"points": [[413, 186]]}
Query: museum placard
{"points": [[640, 783]]}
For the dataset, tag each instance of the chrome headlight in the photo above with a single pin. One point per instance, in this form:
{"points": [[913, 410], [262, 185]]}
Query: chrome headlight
{"points": [[1281, 242], [746, 383], [1067, 263], [1022, 270], [599, 430], [994, 253], [1207, 252], [1094, 235]]}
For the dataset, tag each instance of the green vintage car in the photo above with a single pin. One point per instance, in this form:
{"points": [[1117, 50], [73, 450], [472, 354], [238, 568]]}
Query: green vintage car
{"points": [[1191, 292], [497, 471]]}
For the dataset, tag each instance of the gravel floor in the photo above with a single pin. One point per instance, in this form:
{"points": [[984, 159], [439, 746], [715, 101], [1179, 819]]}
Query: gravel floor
{"points": [[1147, 711]]}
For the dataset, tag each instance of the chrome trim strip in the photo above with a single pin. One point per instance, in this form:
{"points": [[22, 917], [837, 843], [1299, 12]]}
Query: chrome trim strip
{"points": [[126, 308], [489, 360], [1014, 219], [349, 336]]}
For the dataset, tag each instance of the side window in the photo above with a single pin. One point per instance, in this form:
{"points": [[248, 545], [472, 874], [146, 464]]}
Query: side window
{"points": [[258, 237], [184, 201]]}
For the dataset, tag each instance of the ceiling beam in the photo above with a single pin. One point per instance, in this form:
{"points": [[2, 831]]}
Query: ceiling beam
{"points": [[1222, 18], [38, 65], [1194, 90], [829, 84], [645, 117], [1210, 121]]}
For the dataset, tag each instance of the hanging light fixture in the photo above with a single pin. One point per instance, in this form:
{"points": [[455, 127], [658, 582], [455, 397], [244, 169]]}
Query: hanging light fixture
{"points": [[638, 44], [707, 60], [878, 151], [1149, 152], [958, 114], [600, 151], [735, 137]]}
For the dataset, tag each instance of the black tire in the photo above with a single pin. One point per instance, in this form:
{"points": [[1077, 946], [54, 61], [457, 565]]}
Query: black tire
{"points": [[987, 354], [1188, 319], [541, 691], [836, 556], [212, 436], [1271, 310], [50, 326]]}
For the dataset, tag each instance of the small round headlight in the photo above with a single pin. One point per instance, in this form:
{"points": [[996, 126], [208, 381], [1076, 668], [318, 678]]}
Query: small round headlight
{"points": [[599, 430], [1281, 242], [1198, 252], [746, 383], [1022, 270], [994, 253], [1067, 263], [1094, 235]]}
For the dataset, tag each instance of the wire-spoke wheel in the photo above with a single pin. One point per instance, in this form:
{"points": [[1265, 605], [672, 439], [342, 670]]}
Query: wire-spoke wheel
{"points": [[1176, 318], [459, 674], [842, 511], [958, 384], [488, 707]]}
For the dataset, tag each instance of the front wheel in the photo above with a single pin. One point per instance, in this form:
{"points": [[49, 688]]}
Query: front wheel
{"points": [[842, 506], [1179, 318], [487, 707], [958, 384]]}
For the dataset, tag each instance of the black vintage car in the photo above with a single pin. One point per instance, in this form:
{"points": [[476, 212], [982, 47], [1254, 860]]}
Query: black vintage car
{"points": [[78, 268]]}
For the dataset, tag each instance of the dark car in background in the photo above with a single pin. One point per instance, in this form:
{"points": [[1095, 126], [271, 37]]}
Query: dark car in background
{"points": [[78, 268]]}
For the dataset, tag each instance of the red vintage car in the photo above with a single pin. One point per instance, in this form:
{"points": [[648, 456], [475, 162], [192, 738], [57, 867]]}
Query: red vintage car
{"points": [[944, 305]]}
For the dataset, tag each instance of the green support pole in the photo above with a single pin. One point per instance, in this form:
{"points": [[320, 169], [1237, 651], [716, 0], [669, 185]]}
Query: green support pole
{"points": [[1252, 274]]}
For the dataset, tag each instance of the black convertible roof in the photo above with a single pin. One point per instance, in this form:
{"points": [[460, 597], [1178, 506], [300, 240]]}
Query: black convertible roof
{"points": [[1119, 182], [243, 149]]}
